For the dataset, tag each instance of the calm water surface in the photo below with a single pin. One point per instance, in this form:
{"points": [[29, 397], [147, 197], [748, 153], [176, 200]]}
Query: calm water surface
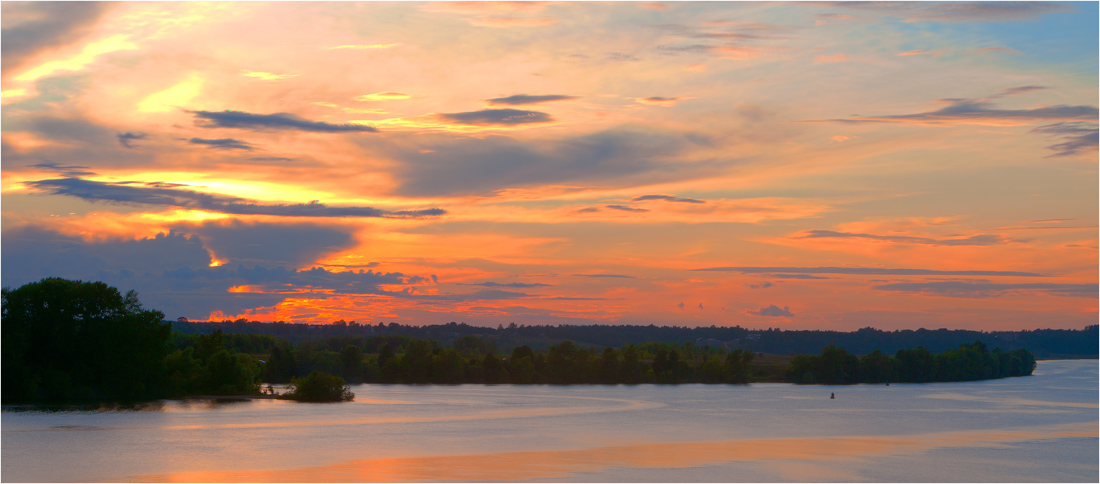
{"points": [[1038, 428]]}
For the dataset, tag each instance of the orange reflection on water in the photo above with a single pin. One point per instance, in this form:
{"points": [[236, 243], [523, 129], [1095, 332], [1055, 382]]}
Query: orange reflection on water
{"points": [[526, 466]]}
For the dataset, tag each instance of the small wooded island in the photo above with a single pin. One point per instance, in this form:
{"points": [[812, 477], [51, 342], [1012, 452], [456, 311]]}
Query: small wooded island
{"points": [[85, 342]]}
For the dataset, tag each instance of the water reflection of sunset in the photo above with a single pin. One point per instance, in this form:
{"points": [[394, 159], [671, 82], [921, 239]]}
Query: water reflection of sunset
{"points": [[529, 466]]}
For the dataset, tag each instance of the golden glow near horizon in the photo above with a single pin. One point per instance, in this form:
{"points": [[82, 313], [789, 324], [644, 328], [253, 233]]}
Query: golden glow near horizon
{"points": [[687, 163]]}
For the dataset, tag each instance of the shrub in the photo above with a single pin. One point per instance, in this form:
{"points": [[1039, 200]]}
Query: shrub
{"points": [[319, 387]]}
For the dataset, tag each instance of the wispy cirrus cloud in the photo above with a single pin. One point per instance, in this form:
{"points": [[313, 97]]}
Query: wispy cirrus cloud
{"points": [[724, 39], [624, 208], [613, 276], [974, 240], [1078, 138], [875, 271], [982, 112], [66, 170], [222, 144], [383, 96], [517, 285], [953, 11], [365, 46], [508, 22], [277, 121], [31, 27], [667, 198], [522, 99], [497, 117], [127, 139], [177, 197], [667, 102], [267, 76], [984, 289], [493, 14]]}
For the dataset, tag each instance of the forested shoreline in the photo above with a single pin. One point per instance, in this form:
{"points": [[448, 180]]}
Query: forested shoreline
{"points": [[71, 341], [1043, 343]]}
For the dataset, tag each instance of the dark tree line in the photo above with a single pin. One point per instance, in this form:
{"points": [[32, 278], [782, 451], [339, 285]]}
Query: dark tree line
{"points": [[1044, 343], [71, 341], [966, 363], [400, 359]]}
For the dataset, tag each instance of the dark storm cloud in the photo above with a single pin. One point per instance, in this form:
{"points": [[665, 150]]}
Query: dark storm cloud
{"points": [[521, 99], [175, 197], [1078, 138], [865, 271], [222, 143], [773, 311], [620, 276], [291, 244], [667, 198], [31, 253], [445, 164], [979, 240], [625, 208], [283, 121], [954, 11], [989, 289], [171, 272], [517, 285], [497, 117], [126, 139], [30, 27]]}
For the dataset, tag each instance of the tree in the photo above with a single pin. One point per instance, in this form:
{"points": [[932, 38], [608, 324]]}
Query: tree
{"points": [[319, 387], [739, 366], [66, 341], [351, 359]]}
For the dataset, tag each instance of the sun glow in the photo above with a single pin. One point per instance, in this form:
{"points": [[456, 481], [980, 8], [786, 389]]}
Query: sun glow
{"points": [[80, 61], [174, 97]]}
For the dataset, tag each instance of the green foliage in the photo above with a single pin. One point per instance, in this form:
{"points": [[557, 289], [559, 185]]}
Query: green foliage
{"points": [[319, 387], [74, 341], [967, 362], [738, 367], [226, 373]]}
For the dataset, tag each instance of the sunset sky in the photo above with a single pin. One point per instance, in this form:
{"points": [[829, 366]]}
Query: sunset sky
{"points": [[801, 166]]}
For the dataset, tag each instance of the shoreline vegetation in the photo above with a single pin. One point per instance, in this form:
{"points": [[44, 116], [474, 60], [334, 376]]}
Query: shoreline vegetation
{"points": [[73, 342]]}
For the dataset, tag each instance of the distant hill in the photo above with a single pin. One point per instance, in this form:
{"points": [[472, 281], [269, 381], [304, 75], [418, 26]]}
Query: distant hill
{"points": [[1043, 343]]}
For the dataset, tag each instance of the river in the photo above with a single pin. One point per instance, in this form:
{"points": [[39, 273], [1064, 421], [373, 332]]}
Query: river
{"points": [[1037, 428]]}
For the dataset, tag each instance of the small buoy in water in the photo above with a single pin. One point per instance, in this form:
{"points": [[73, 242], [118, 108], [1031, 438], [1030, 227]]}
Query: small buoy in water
{"points": [[832, 395]]}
